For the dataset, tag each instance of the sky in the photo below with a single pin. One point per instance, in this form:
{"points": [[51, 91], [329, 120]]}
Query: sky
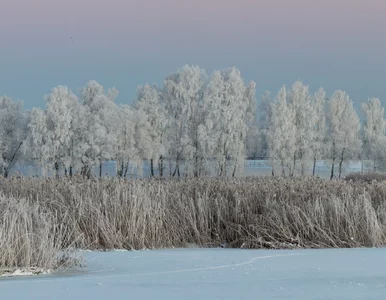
{"points": [[335, 44]]}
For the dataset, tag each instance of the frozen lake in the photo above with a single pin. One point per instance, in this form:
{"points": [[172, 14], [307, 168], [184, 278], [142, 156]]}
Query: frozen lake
{"points": [[214, 274]]}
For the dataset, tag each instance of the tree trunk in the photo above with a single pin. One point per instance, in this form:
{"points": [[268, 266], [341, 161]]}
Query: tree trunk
{"points": [[272, 167], [177, 169], [121, 169], [220, 170], [341, 163], [362, 166], [56, 170], [224, 165], [314, 167], [83, 171], [332, 168], [195, 168], [161, 166], [126, 169], [100, 169], [195, 172], [340, 168], [86, 172], [12, 161], [234, 171], [170, 167], [151, 168], [292, 172], [70, 171]]}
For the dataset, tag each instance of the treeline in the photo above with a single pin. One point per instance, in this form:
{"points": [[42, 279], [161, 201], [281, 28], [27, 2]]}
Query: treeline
{"points": [[190, 120], [296, 129], [192, 123]]}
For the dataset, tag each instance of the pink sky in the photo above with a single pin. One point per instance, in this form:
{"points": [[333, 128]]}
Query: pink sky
{"points": [[258, 36], [110, 19]]}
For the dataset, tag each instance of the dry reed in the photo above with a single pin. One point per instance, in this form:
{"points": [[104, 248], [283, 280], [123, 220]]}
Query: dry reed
{"points": [[367, 177], [30, 237], [248, 213]]}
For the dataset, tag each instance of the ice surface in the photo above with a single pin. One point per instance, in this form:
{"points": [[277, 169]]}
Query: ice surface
{"points": [[251, 168], [213, 274]]}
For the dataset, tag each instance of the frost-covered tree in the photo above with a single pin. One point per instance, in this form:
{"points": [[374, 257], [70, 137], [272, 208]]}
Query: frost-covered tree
{"points": [[38, 146], [252, 138], [250, 104], [380, 153], [343, 130], [373, 129], [134, 140], [253, 143], [264, 114], [230, 107], [318, 142], [61, 103], [126, 145], [100, 138], [51, 131], [191, 122], [143, 139], [13, 128], [151, 108], [90, 92], [299, 101], [80, 159], [281, 133], [183, 96]]}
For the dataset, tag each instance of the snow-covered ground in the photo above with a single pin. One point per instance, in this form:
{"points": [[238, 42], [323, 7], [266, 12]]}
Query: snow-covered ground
{"points": [[213, 274]]}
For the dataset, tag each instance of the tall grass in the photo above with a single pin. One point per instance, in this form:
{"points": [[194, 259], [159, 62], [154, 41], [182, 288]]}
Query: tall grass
{"points": [[249, 213], [367, 177], [30, 237]]}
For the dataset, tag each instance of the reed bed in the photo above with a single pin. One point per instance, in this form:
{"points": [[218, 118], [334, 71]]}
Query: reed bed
{"points": [[40, 218], [31, 240]]}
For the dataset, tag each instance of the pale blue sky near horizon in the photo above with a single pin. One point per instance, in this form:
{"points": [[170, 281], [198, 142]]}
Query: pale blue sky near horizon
{"points": [[332, 44]]}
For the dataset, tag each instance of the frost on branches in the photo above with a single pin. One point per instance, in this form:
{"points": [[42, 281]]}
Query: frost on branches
{"points": [[13, 129], [194, 125], [374, 140], [343, 130], [230, 111]]}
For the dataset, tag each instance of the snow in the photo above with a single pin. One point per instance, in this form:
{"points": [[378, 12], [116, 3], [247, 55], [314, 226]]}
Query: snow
{"points": [[213, 274], [23, 272]]}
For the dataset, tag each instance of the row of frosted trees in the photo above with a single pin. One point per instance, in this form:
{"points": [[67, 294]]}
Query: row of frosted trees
{"points": [[194, 125], [295, 129]]}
